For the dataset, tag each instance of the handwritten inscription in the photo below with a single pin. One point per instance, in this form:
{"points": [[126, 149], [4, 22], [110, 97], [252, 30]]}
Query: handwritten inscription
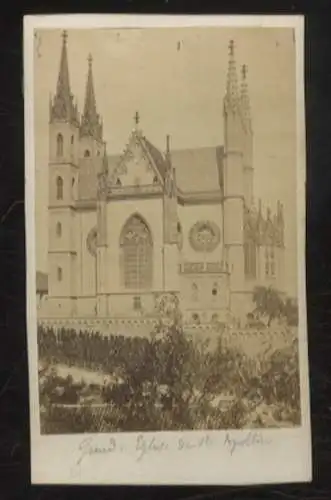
{"points": [[252, 438], [185, 444], [87, 448], [146, 445]]}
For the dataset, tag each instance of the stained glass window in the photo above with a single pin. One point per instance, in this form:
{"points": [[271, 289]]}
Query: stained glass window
{"points": [[137, 254]]}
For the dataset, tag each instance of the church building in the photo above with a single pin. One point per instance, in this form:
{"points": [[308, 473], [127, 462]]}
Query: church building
{"points": [[124, 230]]}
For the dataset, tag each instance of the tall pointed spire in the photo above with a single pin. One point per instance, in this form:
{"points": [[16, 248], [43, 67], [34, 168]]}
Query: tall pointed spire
{"points": [[62, 107], [244, 98], [90, 107], [91, 124], [231, 96]]}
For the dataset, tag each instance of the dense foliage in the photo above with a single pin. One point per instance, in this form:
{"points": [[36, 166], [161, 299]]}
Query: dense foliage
{"points": [[165, 382], [271, 304]]}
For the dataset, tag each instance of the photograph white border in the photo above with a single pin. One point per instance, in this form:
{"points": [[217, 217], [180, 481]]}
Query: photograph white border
{"points": [[271, 456]]}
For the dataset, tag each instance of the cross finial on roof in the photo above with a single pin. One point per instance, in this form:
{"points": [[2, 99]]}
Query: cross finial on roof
{"points": [[136, 118], [231, 47], [90, 60]]}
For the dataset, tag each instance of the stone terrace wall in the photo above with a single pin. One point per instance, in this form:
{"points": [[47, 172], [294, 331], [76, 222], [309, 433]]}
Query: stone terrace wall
{"points": [[252, 341]]}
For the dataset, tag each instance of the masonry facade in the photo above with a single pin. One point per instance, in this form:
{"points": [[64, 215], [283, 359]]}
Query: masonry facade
{"points": [[124, 230]]}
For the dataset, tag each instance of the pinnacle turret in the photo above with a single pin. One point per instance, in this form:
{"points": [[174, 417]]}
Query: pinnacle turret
{"points": [[232, 94], [244, 99]]}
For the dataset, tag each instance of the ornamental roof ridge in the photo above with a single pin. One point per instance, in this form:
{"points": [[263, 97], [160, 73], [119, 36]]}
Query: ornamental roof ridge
{"points": [[154, 155]]}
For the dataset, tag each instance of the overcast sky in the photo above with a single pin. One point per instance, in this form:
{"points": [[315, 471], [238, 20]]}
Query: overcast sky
{"points": [[178, 92]]}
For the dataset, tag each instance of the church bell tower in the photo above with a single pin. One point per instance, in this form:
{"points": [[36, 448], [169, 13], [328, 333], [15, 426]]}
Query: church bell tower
{"points": [[93, 157], [247, 131], [63, 180], [234, 190]]}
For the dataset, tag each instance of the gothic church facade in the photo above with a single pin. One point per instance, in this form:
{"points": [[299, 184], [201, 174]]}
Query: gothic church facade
{"points": [[124, 230]]}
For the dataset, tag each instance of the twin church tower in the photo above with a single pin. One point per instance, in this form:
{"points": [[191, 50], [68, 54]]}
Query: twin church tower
{"points": [[125, 230]]}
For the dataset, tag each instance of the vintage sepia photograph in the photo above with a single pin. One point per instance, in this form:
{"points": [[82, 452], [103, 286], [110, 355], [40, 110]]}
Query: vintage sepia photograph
{"points": [[166, 248]]}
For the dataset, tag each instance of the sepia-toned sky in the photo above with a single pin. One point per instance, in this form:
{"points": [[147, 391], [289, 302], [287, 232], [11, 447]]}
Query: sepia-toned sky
{"points": [[178, 92]]}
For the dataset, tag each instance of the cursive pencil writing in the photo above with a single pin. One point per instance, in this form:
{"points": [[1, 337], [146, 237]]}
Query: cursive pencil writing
{"points": [[252, 438]]}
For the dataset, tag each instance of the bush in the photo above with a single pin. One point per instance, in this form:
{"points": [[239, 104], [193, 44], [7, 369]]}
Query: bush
{"points": [[167, 382]]}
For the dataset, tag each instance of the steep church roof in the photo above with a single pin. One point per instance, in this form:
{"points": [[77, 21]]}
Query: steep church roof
{"points": [[198, 169], [157, 157]]}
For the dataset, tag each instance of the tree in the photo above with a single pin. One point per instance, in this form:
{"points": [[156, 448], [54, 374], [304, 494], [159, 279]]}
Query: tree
{"points": [[291, 312], [170, 382], [268, 303]]}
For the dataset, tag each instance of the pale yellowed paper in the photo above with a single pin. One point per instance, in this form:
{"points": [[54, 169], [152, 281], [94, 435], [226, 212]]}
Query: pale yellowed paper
{"points": [[148, 150]]}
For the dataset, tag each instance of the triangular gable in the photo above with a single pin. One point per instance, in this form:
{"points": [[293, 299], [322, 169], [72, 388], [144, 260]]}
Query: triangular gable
{"points": [[136, 167]]}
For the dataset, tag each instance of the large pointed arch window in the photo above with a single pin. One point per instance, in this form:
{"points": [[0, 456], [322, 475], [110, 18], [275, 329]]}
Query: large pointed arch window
{"points": [[59, 145], [136, 254]]}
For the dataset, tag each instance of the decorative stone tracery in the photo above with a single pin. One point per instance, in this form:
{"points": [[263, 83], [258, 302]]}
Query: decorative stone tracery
{"points": [[204, 236], [264, 229]]}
